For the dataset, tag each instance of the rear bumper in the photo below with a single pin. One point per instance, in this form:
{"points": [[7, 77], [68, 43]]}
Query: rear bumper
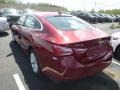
{"points": [[84, 72], [75, 70]]}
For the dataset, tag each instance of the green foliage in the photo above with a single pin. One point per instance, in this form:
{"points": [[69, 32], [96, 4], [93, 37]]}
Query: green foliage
{"points": [[47, 5], [7, 1], [2, 1], [40, 6], [92, 11], [113, 11], [113, 26], [118, 26]]}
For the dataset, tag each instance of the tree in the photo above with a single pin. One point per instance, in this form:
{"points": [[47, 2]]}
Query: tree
{"points": [[113, 11], [92, 11], [2, 1], [7, 1]]}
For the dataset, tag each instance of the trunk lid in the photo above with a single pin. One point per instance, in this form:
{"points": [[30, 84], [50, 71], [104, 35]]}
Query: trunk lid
{"points": [[92, 50]]}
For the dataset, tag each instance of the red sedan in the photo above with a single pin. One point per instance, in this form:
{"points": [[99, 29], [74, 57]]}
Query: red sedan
{"points": [[62, 46]]}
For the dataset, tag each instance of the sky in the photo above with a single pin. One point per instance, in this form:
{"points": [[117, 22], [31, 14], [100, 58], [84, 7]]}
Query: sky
{"points": [[86, 5]]}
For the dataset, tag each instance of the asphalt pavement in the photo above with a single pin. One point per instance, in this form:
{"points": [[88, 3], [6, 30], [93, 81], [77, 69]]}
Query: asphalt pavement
{"points": [[16, 73]]}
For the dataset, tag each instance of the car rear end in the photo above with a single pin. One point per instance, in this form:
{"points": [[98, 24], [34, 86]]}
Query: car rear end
{"points": [[83, 59], [76, 51]]}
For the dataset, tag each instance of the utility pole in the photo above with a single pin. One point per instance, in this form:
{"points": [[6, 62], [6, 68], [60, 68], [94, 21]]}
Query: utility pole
{"points": [[84, 6], [95, 6]]}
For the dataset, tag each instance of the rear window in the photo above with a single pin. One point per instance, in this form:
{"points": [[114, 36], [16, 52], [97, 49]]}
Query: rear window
{"points": [[68, 23]]}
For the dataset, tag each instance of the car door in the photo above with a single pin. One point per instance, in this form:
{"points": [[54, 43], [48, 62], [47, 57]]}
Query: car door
{"points": [[31, 24]]}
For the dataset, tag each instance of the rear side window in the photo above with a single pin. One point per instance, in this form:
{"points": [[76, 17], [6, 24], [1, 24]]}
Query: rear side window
{"points": [[68, 23], [32, 22]]}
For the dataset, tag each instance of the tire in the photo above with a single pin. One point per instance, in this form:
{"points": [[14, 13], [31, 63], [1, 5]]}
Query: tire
{"points": [[117, 52], [34, 62]]}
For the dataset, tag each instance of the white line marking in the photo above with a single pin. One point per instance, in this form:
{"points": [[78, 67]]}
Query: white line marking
{"points": [[19, 82], [116, 63]]}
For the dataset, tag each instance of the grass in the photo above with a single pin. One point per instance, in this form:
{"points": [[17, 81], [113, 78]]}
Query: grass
{"points": [[114, 26], [118, 26]]}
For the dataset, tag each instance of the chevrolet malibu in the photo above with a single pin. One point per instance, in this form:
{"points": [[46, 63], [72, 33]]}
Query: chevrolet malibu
{"points": [[62, 46]]}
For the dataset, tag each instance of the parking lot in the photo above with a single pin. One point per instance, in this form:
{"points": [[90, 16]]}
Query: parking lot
{"points": [[16, 73]]}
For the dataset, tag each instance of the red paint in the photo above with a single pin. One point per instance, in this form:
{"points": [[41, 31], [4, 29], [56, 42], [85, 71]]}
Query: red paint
{"points": [[79, 53]]}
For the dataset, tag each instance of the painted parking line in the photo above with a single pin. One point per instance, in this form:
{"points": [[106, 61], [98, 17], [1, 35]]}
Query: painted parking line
{"points": [[19, 82], [116, 63]]}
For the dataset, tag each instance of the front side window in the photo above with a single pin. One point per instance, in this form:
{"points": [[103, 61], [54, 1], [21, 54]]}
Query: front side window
{"points": [[68, 23], [32, 22]]}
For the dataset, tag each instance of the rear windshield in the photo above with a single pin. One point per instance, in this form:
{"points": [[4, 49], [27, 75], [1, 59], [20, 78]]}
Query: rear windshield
{"points": [[68, 23]]}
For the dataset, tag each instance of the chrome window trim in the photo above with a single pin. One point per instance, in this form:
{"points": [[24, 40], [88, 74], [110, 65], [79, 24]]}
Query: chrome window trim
{"points": [[41, 29]]}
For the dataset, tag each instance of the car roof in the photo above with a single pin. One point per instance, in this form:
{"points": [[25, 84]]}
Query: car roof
{"points": [[44, 14]]}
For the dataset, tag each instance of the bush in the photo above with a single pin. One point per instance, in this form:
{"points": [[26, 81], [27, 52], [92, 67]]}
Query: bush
{"points": [[113, 26], [118, 26]]}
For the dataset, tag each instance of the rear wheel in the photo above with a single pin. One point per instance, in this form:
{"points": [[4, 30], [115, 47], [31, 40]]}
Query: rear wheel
{"points": [[34, 62]]}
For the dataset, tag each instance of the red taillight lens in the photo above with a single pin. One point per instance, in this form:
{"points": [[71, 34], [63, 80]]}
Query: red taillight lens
{"points": [[62, 51]]}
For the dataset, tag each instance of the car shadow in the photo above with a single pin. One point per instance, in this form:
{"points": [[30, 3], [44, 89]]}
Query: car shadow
{"points": [[100, 81], [3, 34]]}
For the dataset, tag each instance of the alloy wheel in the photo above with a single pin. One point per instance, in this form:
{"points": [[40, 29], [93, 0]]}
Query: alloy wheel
{"points": [[33, 61]]}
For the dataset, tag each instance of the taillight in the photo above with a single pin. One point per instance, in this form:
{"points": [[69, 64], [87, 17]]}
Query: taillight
{"points": [[62, 51]]}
